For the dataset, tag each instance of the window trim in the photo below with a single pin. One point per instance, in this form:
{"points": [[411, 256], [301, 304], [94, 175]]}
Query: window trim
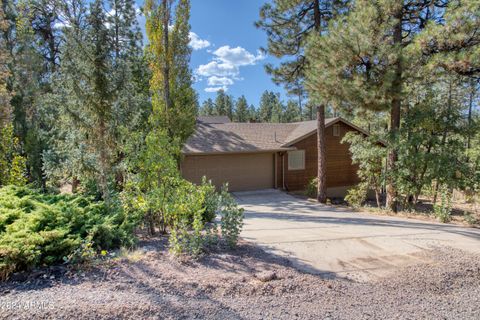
{"points": [[303, 158]]}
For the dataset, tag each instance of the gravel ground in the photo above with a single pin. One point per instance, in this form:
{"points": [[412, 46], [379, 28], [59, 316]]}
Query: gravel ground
{"points": [[246, 283]]}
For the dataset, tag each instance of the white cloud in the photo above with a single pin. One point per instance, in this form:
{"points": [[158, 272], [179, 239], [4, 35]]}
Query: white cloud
{"points": [[196, 43], [219, 81], [224, 69], [237, 56], [219, 69], [215, 89]]}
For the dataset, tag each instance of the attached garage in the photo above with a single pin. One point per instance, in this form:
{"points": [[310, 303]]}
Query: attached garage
{"points": [[243, 171]]}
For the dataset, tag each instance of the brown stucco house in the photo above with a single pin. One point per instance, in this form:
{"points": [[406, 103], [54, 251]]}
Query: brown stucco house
{"points": [[253, 156]]}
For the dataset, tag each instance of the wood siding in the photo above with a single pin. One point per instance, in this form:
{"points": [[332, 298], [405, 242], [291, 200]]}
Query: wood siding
{"points": [[340, 170]]}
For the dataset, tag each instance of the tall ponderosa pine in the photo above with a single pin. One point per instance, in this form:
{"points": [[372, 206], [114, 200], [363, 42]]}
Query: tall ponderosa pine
{"points": [[241, 110], [270, 109], [208, 108], [366, 57], [288, 25], [222, 104], [292, 112], [173, 98]]}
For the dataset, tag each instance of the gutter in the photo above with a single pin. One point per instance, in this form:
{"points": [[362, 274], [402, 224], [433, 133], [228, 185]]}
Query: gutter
{"points": [[193, 153]]}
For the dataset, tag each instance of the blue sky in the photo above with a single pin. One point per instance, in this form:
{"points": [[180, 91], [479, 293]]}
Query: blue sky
{"points": [[226, 44]]}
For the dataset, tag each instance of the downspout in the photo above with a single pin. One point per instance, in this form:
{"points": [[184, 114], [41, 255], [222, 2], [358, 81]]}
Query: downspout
{"points": [[275, 169], [283, 171]]}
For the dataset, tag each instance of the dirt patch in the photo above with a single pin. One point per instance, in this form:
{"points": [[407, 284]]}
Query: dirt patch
{"points": [[225, 285]]}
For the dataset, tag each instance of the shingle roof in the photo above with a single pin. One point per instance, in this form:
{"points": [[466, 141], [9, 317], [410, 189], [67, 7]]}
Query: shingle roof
{"points": [[213, 119], [225, 137]]}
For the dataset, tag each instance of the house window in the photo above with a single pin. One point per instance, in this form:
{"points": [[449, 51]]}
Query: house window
{"points": [[296, 160], [336, 130]]}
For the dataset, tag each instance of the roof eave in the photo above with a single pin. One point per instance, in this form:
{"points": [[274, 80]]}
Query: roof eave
{"points": [[336, 120], [195, 153]]}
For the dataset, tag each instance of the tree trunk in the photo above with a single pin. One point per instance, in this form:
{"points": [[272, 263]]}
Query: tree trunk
{"points": [[166, 63], [377, 197], [322, 163], [316, 15], [470, 107], [444, 137], [300, 105], [391, 202], [151, 223], [75, 184]]}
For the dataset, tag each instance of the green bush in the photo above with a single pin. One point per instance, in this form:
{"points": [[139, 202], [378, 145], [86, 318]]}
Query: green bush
{"points": [[443, 210], [312, 188], [41, 229], [357, 195], [231, 221], [190, 234], [469, 218], [186, 211], [210, 201]]}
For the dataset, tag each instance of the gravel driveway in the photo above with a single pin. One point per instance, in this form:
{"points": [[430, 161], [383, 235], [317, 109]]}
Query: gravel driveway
{"points": [[337, 242], [224, 286], [249, 283]]}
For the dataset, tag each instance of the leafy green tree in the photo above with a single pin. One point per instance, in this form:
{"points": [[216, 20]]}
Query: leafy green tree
{"points": [[12, 164], [368, 154], [241, 110], [5, 94], [174, 101], [153, 179]]}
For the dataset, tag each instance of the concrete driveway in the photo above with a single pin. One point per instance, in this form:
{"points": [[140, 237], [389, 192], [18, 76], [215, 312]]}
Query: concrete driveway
{"points": [[336, 242]]}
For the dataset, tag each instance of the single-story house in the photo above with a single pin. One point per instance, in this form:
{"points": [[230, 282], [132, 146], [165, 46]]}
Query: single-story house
{"points": [[253, 156]]}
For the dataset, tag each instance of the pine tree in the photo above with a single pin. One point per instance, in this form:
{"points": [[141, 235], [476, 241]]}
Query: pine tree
{"points": [[277, 108], [208, 108], [288, 25], [28, 39], [292, 112], [85, 145], [229, 106], [253, 114], [220, 103], [265, 108], [241, 110], [371, 74]]}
